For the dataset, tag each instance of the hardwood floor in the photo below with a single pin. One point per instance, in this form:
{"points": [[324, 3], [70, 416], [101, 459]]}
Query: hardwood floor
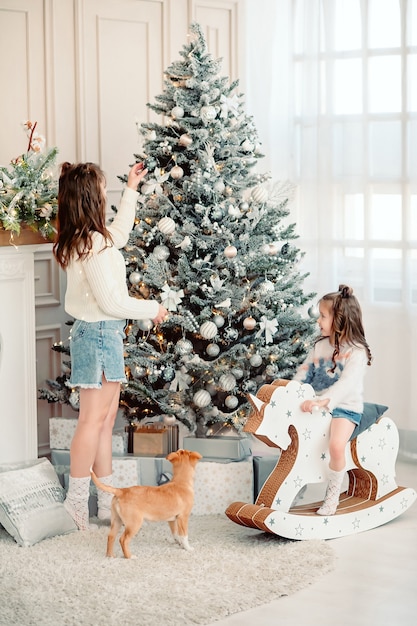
{"points": [[374, 582]]}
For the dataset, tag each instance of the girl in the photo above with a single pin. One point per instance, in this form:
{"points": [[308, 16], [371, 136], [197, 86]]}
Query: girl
{"points": [[335, 368], [98, 299]]}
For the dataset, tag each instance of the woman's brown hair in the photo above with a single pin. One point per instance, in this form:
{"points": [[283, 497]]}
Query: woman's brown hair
{"points": [[347, 326], [81, 210]]}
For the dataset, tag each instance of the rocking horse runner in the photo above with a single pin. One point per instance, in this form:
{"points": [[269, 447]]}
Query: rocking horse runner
{"points": [[314, 446]]}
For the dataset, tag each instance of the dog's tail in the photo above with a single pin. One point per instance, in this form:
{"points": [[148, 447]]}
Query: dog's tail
{"points": [[109, 488]]}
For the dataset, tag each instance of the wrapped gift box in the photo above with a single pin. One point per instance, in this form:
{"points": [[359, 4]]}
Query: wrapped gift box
{"points": [[216, 485], [156, 439], [61, 432], [222, 447]]}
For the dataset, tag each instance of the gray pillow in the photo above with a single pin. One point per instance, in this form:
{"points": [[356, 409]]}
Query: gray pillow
{"points": [[31, 502], [371, 413]]}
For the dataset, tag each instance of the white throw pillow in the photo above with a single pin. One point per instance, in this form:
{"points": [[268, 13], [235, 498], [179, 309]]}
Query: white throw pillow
{"points": [[31, 502]]}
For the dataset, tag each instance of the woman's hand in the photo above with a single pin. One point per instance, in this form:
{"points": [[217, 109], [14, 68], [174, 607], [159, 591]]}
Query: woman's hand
{"points": [[308, 406], [136, 174], [162, 315]]}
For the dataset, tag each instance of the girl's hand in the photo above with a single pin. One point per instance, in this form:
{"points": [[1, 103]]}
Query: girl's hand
{"points": [[136, 174], [308, 406], [161, 316]]}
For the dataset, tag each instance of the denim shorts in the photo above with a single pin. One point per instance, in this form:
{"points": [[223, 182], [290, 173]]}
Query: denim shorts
{"points": [[352, 416], [96, 348]]}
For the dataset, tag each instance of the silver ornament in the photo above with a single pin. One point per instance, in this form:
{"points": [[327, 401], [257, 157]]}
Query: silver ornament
{"points": [[138, 371], [145, 324], [202, 398], [166, 225], [208, 330], [218, 320], [255, 360], [227, 382], [161, 253], [212, 349], [313, 312], [135, 278], [231, 402], [184, 346]]}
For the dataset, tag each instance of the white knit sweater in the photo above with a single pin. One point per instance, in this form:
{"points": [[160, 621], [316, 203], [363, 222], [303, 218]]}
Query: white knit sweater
{"points": [[96, 285], [344, 386]]}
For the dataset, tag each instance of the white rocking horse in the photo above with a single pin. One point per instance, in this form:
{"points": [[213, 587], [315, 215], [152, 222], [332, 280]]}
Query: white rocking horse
{"points": [[372, 497]]}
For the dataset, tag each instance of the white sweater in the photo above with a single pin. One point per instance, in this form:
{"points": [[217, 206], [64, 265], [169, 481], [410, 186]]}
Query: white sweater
{"points": [[96, 285], [344, 386]]}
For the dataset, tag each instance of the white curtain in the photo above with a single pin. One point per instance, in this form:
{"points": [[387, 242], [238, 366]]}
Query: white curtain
{"points": [[332, 86]]}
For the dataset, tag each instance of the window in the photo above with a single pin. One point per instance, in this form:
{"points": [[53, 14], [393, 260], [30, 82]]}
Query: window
{"points": [[355, 89]]}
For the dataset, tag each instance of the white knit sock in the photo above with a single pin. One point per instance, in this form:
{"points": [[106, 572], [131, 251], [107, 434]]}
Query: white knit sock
{"points": [[331, 499], [76, 502], [104, 499]]}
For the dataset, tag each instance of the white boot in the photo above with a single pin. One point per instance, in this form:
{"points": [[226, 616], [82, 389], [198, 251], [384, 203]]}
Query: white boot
{"points": [[104, 499], [331, 499], [76, 502]]}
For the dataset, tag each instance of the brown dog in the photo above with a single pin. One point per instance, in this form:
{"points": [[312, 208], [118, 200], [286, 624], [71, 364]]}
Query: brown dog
{"points": [[171, 502]]}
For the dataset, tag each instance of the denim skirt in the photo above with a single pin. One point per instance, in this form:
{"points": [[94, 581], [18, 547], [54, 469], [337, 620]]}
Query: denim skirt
{"points": [[96, 348]]}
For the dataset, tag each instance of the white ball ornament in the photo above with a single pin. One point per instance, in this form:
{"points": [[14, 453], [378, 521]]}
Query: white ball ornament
{"points": [[227, 382], [166, 225], [177, 112], [208, 113], [208, 330], [249, 323], [267, 286], [169, 420], [219, 186], [202, 398], [259, 194], [231, 402], [230, 252], [176, 172], [273, 249], [255, 360], [212, 349]]}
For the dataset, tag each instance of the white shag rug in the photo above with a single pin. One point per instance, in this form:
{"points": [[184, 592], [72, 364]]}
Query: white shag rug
{"points": [[68, 581]]}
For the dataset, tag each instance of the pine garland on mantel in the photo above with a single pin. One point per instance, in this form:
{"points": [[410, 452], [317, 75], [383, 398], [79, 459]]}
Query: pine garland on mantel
{"points": [[29, 191]]}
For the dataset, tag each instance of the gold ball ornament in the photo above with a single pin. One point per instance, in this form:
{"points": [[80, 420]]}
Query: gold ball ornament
{"points": [[176, 172], [230, 252], [249, 323], [185, 140]]}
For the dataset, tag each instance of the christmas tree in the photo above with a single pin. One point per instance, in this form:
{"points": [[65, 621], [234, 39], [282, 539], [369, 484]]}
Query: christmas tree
{"points": [[210, 242]]}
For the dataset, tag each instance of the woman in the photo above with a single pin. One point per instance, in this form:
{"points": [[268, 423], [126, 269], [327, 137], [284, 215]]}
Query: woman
{"points": [[98, 299]]}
